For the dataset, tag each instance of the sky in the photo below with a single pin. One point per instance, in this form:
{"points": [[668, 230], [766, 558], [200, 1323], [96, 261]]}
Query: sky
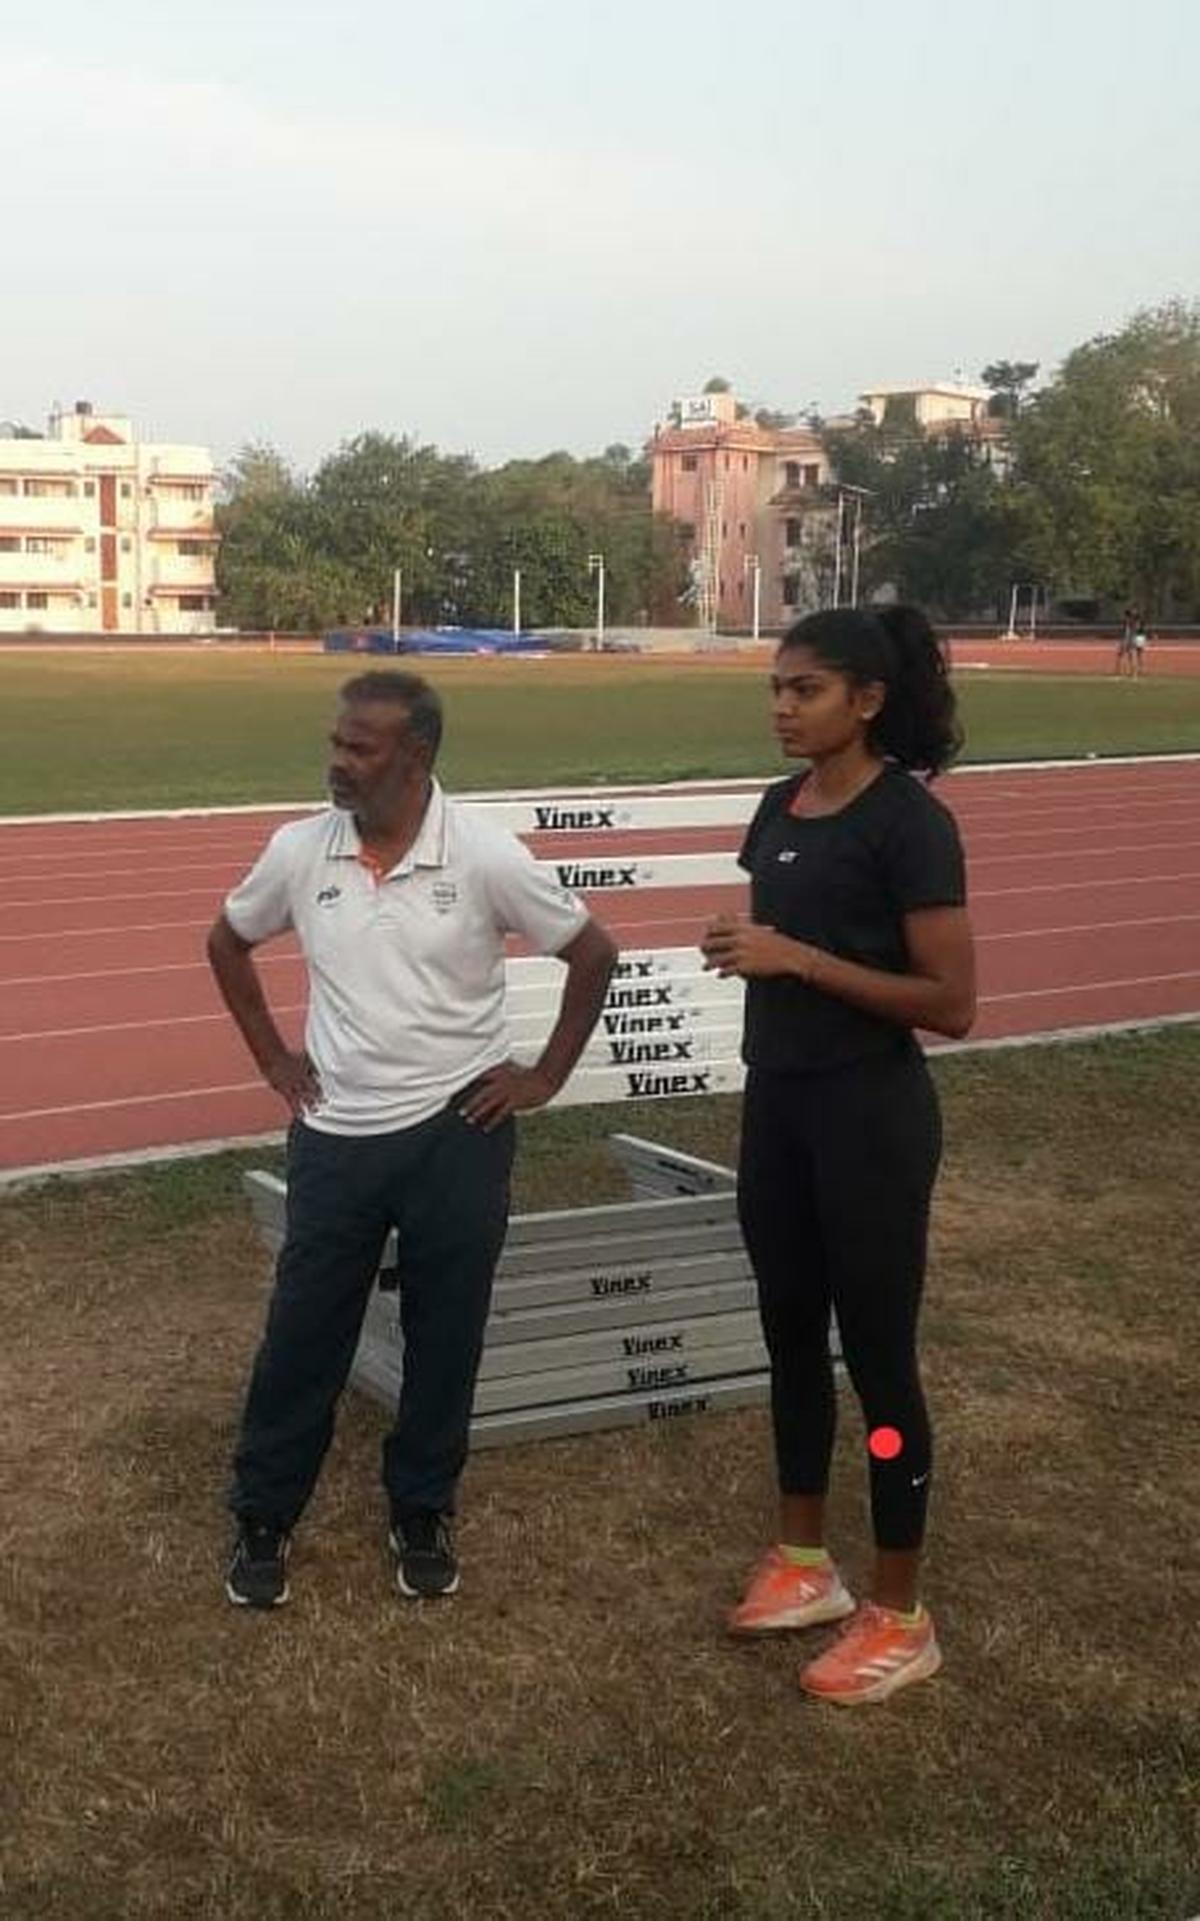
{"points": [[508, 226]]}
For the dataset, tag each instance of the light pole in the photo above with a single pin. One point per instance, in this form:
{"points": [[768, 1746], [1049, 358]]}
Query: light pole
{"points": [[752, 565], [837, 549], [596, 566], [397, 578], [516, 626]]}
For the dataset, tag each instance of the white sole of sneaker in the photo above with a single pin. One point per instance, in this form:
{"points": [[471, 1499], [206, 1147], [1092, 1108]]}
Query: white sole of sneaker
{"points": [[244, 1601], [835, 1607], [418, 1594], [926, 1664]]}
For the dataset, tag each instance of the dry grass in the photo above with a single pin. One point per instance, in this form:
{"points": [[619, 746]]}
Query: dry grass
{"points": [[573, 1737]]}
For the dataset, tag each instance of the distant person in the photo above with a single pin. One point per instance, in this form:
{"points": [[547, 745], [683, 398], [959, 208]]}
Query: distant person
{"points": [[402, 1106], [1141, 640], [1130, 623], [858, 934]]}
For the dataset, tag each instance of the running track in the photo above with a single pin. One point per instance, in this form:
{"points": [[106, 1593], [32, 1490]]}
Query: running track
{"points": [[1085, 895]]}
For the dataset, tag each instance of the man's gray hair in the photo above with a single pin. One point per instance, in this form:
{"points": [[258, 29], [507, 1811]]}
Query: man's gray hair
{"points": [[394, 687]]}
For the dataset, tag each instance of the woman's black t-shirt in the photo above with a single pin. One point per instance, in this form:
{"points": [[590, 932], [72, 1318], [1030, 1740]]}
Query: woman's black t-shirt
{"points": [[842, 882]]}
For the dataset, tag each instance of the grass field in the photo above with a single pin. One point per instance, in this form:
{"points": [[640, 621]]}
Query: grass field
{"points": [[96, 730], [573, 1737]]}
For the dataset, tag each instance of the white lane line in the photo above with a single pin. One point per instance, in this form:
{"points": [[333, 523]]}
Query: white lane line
{"points": [[135, 1027], [1092, 987]]}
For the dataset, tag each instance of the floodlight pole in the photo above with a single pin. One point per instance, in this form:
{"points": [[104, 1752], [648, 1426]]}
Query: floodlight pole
{"points": [[516, 617], [837, 550], [596, 566], [397, 578], [1012, 611], [752, 565]]}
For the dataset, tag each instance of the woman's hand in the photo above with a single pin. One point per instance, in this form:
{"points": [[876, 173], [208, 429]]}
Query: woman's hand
{"points": [[733, 946]]}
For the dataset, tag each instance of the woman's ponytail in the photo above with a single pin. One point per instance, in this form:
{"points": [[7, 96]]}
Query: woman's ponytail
{"points": [[918, 724]]}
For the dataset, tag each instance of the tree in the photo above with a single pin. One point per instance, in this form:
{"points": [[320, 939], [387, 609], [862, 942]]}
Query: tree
{"points": [[1108, 466], [938, 527], [716, 385], [1007, 380]]}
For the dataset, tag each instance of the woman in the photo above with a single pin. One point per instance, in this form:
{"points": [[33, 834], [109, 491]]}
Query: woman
{"points": [[858, 935]]}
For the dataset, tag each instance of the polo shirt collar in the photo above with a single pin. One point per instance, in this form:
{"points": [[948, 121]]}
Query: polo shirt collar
{"points": [[429, 849]]}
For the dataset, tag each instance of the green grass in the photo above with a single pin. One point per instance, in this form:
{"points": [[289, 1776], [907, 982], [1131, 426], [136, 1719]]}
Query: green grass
{"points": [[94, 730], [573, 1737]]}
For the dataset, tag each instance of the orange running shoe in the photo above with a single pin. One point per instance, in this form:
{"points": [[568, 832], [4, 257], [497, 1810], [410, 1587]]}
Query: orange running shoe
{"points": [[876, 1653], [783, 1595]]}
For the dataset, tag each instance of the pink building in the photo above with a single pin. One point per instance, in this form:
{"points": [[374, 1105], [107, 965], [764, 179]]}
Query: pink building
{"points": [[745, 498]]}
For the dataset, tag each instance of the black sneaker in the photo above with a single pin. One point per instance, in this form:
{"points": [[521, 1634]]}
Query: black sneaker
{"points": [[257, 1572], [425, 1563]]}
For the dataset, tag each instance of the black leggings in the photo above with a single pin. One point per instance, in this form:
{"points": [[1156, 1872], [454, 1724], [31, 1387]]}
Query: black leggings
{"points": [[834, 1185]]}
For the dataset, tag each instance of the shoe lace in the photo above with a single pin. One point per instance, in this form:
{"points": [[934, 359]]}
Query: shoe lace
{"points": [[425, 1532]]}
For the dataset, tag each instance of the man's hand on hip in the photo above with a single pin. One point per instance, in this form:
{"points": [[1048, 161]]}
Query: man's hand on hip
{"points": [[503, 1091], [295, 1077]]}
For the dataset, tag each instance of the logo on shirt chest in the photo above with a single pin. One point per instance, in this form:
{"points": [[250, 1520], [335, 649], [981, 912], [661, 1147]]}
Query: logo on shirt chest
{"points": [[786, 853], [444, 896]]}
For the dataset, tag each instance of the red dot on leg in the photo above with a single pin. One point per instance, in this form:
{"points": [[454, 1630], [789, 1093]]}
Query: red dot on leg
{"points": [[885, 1443]]}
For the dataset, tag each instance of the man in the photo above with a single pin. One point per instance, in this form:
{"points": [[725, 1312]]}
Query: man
{"points": [[402, 1102]]}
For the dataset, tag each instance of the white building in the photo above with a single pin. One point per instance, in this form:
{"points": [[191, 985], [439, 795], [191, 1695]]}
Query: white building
{"points": [[102, 534]]}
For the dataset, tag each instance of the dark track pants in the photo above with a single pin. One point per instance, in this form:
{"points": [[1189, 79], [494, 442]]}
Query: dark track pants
{"points": [[836, 1174], [444, 1186]]}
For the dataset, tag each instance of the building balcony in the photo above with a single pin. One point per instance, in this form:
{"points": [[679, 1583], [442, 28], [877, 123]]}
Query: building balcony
{"points": [[56, 572], [42, 514], [192, 518]]}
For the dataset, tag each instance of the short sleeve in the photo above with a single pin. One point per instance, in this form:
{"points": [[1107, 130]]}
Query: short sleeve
{"points": [[260, 905], [924, 856], [528, 899], [770, 804]]}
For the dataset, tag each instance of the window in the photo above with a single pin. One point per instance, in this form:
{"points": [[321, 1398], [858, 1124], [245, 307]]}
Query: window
{"points": [[745, 463], [724, 530], [8, 598], [8, 485], [741, 529], [9, 544], [689, 463], [791, 591], [41, 544], [89, 489], [191, 549], [89, 545], [36, 601], [687, 530], [126, 490], [127, 600], [48, 489], [193, 603], [791, 533], [126, 545], [812, 476], [791, 473]]}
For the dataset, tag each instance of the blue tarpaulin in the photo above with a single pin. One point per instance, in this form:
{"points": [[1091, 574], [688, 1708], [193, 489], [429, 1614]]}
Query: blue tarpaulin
{"points": [[449, 640]]}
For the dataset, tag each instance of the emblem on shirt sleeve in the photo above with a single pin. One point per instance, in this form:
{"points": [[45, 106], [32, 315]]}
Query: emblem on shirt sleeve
{"points": [[444, 894], [327, 895]]}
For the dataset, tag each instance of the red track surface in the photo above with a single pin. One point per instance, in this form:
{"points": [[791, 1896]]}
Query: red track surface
{"points": [[1085, 894]]}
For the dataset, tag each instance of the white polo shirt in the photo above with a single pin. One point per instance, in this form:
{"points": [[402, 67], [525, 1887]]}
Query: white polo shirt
{"points": [[406, 973]]}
